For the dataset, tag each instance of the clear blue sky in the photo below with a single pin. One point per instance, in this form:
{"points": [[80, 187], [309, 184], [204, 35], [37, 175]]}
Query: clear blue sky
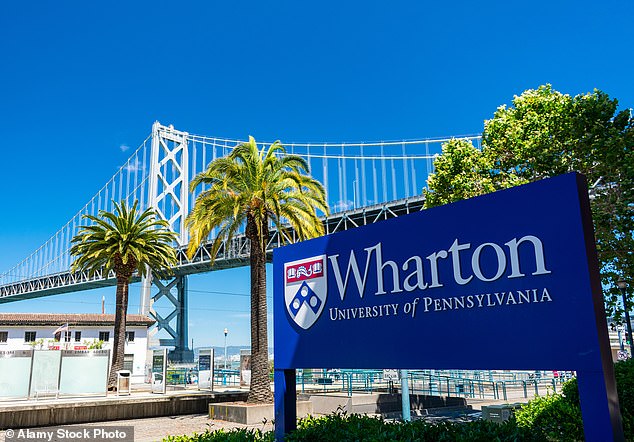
{"points": [[79, 80]]}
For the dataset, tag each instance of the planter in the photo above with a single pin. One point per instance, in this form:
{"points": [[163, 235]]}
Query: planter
{"points": [[252, 414]]}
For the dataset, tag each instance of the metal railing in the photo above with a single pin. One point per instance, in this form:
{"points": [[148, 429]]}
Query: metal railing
{"points": [[484, 384], [489, 384]]}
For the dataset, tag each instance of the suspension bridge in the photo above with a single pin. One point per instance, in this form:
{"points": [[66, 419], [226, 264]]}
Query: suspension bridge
{"points": [[364, 182]]}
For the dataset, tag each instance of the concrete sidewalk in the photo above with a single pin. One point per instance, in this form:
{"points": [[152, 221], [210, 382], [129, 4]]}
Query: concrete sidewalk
{"points": [[146, 428], [158, 428]]}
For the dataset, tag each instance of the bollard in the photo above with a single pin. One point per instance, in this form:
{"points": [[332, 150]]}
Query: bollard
{"points": [[407, 416], [349, 384]]}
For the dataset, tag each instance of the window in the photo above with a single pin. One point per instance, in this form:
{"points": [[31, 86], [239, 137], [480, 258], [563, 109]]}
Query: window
{"points": [[104, 336], [128, 362], [129, 336], [30, 336], [4, 336], [67, 336], [77, 336]]}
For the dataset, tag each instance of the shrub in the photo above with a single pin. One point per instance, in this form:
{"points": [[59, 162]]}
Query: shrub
{"points": [[570, 391], [552, 417], [559, 416], [624, 374], [339, 427], [222, 435]]}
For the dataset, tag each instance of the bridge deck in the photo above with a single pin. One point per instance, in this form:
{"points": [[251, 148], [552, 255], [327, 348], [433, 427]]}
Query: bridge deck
{"points": [[233, 254]]}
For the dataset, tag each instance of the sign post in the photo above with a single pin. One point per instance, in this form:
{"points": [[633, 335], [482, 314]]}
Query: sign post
{"points": [[159, 371], [513, 268], [206, 368], [285, 402]]}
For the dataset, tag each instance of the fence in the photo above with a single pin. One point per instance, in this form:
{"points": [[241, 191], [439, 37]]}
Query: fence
{"points": [[474, 384], [487, 384]]}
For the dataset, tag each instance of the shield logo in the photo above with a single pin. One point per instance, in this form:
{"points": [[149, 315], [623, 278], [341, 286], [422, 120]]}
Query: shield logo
{"points": [[305, 289]]}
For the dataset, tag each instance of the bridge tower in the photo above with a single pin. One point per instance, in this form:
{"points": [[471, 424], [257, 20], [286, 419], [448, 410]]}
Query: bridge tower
{"points": [[169, 196]]}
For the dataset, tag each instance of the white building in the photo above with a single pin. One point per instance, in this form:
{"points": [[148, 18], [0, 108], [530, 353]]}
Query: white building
{"points": [[23, 331]]}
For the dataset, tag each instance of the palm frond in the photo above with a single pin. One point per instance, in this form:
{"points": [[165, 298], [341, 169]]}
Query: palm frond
{"points": [[261, 185], [124, 236]]}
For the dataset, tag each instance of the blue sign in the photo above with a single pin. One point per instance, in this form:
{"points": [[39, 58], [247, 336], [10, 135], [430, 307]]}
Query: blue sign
{"points": [[507, 280]]}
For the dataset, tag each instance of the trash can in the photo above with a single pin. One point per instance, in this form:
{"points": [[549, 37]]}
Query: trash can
{"points": [[123, 382]]}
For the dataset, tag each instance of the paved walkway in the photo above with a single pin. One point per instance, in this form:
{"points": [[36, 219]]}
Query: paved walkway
{"points": [[145, 430], [158, 428]]}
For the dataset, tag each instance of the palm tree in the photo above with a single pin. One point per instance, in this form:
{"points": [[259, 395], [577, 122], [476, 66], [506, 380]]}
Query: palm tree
{"points": [[251, 188], [124, 242]]}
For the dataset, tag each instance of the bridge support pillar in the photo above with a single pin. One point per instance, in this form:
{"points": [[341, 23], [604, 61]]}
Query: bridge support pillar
{"points": [[175, 291], [169, 196]]}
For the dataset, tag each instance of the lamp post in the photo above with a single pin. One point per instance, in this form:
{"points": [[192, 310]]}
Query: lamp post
{"points": [[226, 331], [622, 285]]}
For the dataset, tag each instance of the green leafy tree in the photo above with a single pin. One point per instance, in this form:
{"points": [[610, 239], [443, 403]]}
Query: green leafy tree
{"points": [[253, 188], [462, 171], [39, 343], [124, 241], [94, 344], [547, 133]]}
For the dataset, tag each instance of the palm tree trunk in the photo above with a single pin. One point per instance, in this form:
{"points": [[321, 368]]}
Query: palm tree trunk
{"points": [[118, 351], [260, 391]]}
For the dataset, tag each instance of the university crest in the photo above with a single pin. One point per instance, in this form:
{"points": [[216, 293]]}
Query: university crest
{"points": [[305, 289]]}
